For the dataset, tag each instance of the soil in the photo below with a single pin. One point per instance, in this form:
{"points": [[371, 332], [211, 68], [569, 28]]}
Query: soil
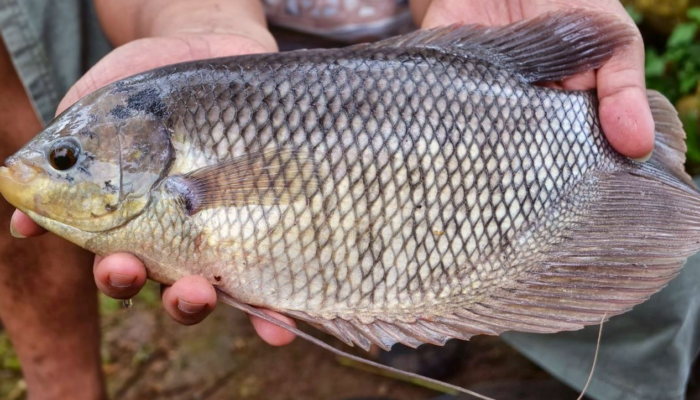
{"points": [[147, 355]]}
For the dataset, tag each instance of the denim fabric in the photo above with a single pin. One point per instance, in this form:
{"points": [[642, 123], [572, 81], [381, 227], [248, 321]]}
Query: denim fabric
{"points": [[52, 44], [646, 353]]}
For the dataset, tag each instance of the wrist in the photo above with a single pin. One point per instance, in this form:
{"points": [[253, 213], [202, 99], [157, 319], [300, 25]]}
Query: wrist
{"points": [[245, 20], [418, 10], [135, 19]]}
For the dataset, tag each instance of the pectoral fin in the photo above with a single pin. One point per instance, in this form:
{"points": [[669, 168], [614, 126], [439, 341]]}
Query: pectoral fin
{"points": [[257, 178]]}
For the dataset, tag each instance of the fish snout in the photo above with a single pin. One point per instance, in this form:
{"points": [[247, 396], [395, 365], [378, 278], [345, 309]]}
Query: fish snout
{"points": [[16, 180], [18, 170]]}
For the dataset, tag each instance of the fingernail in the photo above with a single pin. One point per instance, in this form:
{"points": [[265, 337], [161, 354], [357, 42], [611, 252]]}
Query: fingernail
{"points": [[190, 308], [121, 280], [644, 158], [16, 234]]}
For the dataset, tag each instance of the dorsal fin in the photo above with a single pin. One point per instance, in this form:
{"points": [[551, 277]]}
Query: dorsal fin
{"points": [[669, 143], [550, 47]]}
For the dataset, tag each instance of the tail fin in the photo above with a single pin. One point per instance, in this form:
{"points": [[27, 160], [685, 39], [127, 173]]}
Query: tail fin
{"points": [[670, 147]]}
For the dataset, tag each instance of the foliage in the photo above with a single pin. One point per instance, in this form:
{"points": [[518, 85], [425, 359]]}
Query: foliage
{"points": [[691, 125], [11, 383], [635, 14], [8, 358], [148, 296], [675, 71]]}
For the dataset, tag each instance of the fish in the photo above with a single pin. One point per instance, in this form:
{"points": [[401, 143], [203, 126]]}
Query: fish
{"points": [[426, 187]]}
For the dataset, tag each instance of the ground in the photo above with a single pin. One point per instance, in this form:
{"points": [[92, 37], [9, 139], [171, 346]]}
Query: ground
{"points": [[147, 355]]}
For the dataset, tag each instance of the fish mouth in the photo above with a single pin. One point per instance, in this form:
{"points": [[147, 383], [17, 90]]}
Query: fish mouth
{"points": [[18, 170], [14, 182]]}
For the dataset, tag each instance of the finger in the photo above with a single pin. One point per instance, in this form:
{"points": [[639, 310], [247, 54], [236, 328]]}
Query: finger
{"points": [[21, 226], [189, 300], [271, 333], [584, 81], [447, 12], [624, 109], [120, 276], [418, 10]]}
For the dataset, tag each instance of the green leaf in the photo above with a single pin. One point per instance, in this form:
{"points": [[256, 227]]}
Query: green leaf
{"points": [[655, 64], [688, 78], [690, 125], [8, 357], [683, 34], [636, 16], [108, 305], [688, 83], [694, 52], [676, 54], [667, 85], [693, 14], [149, 295]]}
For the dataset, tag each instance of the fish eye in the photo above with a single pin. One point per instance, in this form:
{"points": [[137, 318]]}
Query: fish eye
{"points": [[63, 155]]}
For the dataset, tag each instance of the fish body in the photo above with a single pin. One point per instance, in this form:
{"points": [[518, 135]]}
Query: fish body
{"points": [[414, 190]]}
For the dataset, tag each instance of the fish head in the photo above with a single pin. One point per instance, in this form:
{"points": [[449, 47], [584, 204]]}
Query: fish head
{"points": [[92, 168]]}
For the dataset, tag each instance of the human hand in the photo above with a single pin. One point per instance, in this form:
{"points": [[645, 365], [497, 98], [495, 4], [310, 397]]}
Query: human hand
{"points": [[623, 106], [181, 33]]}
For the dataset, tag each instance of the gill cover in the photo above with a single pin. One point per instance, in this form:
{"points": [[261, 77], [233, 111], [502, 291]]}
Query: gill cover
{"points": [[119, 154]]}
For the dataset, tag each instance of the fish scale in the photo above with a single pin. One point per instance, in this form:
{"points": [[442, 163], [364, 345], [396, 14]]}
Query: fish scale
{"points": [[416, 244], [413, 190]]}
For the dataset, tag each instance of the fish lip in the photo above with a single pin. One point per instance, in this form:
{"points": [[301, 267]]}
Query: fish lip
{"points": [[9, 186], [5, 175], [14, 181], [19, 171]]}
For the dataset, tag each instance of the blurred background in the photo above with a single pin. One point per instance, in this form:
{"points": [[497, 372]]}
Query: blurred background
{"points": [[148, 356], [670, 30]]}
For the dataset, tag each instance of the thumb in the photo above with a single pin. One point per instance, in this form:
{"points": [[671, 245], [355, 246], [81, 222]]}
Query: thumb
{"points": [[624, 108]]}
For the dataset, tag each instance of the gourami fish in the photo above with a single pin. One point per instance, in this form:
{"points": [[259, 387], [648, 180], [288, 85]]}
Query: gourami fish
{"points": [[412, 190]]}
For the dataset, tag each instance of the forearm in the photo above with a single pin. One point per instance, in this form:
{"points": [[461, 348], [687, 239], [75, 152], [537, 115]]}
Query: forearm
{"points": [[128, 20]]}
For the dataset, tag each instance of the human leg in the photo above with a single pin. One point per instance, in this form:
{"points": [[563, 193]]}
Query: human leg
{"points": [[48, 301]]}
